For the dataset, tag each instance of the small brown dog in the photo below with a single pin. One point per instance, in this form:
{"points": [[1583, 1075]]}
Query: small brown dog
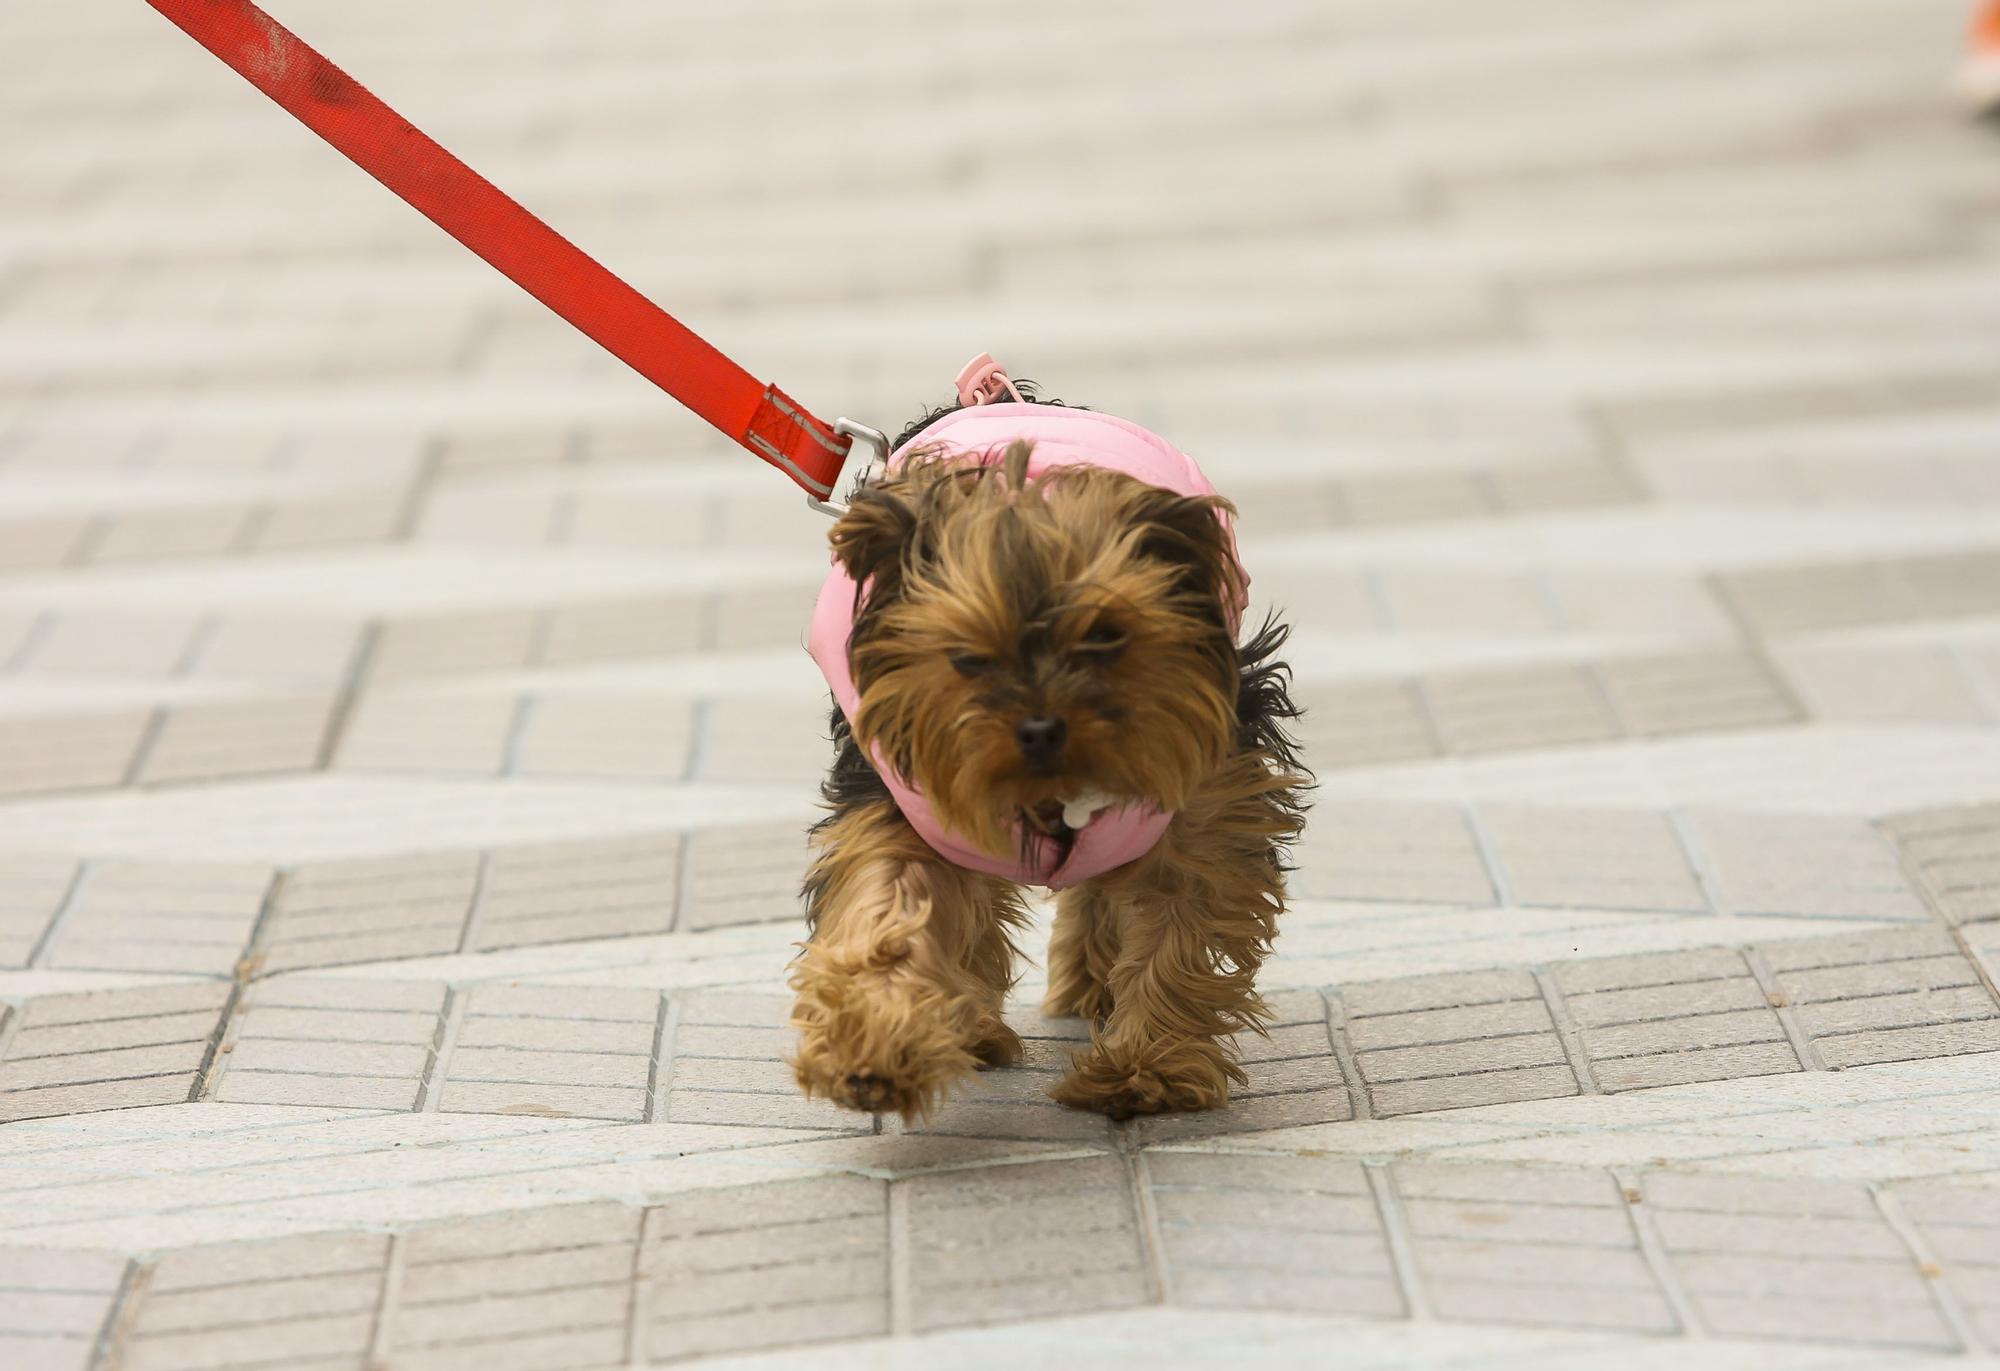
{"points": [[1031, 637]]}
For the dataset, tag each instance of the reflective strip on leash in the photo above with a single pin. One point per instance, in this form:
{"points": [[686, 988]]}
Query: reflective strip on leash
{"points": [[760, 417]]}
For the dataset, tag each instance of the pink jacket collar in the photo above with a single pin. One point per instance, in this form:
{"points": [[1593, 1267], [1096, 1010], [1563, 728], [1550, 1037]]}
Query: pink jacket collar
{"points": [[1061, 437]]}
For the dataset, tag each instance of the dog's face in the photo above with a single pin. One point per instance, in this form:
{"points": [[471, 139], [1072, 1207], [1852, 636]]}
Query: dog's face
{"points": [[1023, 645]]}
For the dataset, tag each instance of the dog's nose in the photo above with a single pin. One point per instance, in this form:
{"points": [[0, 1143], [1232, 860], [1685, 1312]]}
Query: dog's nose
{"points": [[1041, 740]]}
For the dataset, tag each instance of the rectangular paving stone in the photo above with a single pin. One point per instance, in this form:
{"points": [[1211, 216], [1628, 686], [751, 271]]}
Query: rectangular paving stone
{"points": [[1597, 858], [291, 1045], [53, 1303], [1415, 853], [326, 914], [608, 1081], [1891, 996], [613, 630], [89, 644], [764, 740], [744, 875], [1506, 1046], [607, 738], [1508, 709], [759, 617], [742, 1077], [1745, 1250], [733, 1267], [308, 651], [1671, 1019], [33, 888], [154, 917], [1473, 1229], [432, 734], [339, 522], [500, 640], [1874, 685], [144, 535], [1055, 1263], [1694, 692], [1364, 723], [202, 742], [1955, 855], [1783, 600], [1826, 866], [47, 753], [1227, 1253], [108, 1049], [560, 892]]}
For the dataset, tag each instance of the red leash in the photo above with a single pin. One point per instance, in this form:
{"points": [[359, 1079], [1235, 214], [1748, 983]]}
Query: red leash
{"points": [[524, 249]]}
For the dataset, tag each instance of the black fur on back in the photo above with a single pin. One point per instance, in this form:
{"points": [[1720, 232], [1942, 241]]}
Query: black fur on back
{"points": [[1030, 394]]}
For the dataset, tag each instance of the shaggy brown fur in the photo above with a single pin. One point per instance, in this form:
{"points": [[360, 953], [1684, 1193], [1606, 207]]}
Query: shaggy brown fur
{"points": [[1096, 599]]}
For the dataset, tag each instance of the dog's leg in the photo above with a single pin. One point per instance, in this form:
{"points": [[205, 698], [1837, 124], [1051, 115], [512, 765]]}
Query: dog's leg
{"points": [[900, 986], [1083, 947], [1195, 919]]}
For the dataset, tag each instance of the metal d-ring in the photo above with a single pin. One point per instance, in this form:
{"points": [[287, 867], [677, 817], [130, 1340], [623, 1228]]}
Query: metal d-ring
{"points": [[853, 475]]}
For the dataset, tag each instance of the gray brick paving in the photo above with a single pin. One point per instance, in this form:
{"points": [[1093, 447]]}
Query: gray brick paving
{"points": [[405, 742]]}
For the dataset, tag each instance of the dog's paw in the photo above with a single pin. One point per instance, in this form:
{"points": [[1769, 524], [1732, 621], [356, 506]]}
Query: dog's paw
{"points": [[997, 1045], [1085, 1000], [1122, 1085]]}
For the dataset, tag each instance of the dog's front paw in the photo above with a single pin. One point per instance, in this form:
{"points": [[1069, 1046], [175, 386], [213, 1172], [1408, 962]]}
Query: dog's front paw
{"points": [[1191, 1074], [867, 1048], [1079, 999], [997, 1044]]}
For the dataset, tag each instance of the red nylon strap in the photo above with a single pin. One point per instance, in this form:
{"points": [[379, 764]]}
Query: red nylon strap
{"points": [[523, 248]]}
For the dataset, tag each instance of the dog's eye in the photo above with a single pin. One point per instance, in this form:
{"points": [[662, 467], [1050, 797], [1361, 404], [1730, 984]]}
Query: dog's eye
{"points": [[1103, 637], [970, 663]]}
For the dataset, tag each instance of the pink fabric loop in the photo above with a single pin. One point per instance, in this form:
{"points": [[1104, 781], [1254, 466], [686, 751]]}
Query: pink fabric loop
{"points": [[982, 381]]}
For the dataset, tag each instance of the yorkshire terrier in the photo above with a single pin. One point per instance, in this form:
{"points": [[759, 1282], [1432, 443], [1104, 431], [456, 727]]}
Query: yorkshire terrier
{"points": [[1031, 635]]}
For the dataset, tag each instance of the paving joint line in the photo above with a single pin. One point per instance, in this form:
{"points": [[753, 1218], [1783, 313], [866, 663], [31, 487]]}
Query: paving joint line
{"points": [[107, 1350], [1695, 853], [475, 903], [1489, 853], [1146, 1218], [40, 950], [660, 1069], [39, 629], [683, 878], [1567, 1033], [228, 1020], [430, 1087], [1929, 1269], [149, 738], [1397, 1236], [1359, 1106], [1781, 1006], [1653, 1250], [388, 1302], [644, 1298], [197, 643], [896, 1216], [517, 728], [697, 748]]}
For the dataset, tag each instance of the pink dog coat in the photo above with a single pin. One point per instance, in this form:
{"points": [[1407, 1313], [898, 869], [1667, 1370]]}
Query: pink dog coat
{"points": [[1061, 437]]}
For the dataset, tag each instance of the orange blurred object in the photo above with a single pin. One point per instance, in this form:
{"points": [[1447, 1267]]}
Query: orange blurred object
{"points": [[1979, 77]]}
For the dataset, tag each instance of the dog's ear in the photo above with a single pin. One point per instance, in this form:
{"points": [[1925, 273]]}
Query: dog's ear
{"points": [[1192, 534], [871, 538]]}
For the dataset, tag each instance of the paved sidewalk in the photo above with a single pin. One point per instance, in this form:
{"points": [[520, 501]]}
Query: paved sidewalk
{"points": [[405, 738]]}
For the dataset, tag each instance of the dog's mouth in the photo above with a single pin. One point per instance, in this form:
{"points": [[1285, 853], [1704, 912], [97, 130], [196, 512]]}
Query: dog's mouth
{"points": [[1062, 819], [1047, 818]]}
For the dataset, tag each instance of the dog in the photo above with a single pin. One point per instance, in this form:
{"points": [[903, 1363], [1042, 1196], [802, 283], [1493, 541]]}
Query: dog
{"points": [[1031, 636]]}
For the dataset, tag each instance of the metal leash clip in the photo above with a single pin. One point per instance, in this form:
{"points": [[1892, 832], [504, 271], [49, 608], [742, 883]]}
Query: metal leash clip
{"points": [[853, 474]]}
